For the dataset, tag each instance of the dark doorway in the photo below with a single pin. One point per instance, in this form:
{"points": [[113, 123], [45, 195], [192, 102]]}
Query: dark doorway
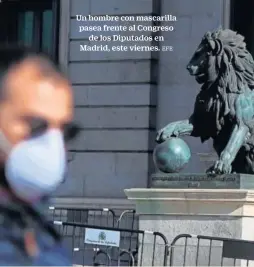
{"points": [[242, 21], [32, 23]]}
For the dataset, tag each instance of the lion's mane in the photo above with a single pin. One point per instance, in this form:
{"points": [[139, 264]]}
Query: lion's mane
{"points": [[234, 66], [234, 62]]}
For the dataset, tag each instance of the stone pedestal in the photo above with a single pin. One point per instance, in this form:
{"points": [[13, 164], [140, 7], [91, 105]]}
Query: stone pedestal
{"points": [[211, 212], [202, 180]]}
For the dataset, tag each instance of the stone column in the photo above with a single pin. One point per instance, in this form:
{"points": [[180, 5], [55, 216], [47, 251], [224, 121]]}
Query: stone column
{"points": [[211, 212]]}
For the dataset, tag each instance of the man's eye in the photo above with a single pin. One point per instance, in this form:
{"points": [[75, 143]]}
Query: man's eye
{"points": [[71, 131], [37, 125]]}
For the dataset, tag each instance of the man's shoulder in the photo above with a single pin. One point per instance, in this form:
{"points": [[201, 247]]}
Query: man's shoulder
{"points": [[13, 255], [16, 220]]}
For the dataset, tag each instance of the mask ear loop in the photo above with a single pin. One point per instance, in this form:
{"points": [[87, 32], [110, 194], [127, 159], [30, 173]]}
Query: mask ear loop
{"points": [[5, 145]]}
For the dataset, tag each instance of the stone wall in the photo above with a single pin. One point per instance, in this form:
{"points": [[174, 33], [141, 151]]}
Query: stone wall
{"points": [[116, 105]]}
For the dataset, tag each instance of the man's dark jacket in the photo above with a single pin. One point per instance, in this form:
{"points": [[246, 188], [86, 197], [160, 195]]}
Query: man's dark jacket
{"points": [[26, 236]]}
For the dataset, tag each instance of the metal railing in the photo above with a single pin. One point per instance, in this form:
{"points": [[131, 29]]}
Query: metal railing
{"points": [[95, 245], [127, 219], [114, 245], [75, 224], [93, 216], [200, 250], [103, 216]]}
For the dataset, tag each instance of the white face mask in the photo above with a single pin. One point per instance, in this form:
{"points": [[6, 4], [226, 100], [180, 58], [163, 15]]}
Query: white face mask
{"points": [[35, 167]]}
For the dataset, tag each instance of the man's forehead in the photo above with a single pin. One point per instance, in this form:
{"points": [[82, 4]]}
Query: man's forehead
{"points": [[42, 99], [28, 74], [33, 90], [32, 70], [28, 90]]}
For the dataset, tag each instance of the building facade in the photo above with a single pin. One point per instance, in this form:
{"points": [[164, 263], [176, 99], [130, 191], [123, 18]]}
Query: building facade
{"points": [[121, 98]]}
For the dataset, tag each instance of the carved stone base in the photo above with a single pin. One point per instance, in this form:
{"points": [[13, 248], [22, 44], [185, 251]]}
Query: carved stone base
{"points": [[202, 181], [218, 213]]}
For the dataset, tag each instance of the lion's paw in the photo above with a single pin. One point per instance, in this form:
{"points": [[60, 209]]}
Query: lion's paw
{"points": [[166, 133], [220, 167]]}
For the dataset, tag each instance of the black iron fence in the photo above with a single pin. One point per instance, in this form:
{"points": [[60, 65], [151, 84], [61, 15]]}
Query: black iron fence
{"points": [[127, 219], [98, 217], [108, 237], [95, 245], [200, 250]]}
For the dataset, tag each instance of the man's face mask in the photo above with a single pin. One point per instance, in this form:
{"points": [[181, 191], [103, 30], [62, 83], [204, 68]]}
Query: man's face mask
{"points": [[36, 166]]}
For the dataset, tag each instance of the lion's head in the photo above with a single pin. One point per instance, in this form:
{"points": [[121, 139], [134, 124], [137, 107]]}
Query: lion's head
{"points": [[222, 56]]}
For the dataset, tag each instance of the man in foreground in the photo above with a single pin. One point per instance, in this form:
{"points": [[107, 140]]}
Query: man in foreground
{"points": [[35, 122]]}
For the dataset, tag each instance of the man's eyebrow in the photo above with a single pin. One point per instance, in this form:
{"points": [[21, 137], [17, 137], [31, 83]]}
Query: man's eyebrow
{"points": [[44, 119], [33, 118]]}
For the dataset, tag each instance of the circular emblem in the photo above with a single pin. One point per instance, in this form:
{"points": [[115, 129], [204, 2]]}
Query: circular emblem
{"points": [[102, 236]]}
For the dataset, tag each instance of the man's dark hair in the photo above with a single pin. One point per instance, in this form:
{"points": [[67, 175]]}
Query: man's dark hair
{"points": [[11, 56]]}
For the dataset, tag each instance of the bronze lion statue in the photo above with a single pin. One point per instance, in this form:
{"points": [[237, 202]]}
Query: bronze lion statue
{"points": [[224, 107]]}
